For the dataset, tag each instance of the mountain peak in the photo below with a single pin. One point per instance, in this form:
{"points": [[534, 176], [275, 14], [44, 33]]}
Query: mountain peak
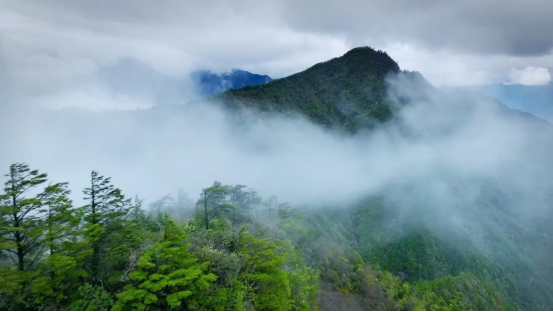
{"points": [[345, 91], [211, 84]]}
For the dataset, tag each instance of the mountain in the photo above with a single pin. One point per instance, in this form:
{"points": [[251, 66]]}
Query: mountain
{"points": [[211, 84], [469, 250], [347, 91]]}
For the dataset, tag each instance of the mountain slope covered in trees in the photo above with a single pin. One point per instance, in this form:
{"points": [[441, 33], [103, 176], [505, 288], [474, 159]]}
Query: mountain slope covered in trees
{"points": [[346, 91]]}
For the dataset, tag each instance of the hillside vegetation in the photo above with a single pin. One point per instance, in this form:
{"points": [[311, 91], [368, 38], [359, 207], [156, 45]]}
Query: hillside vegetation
{"points": [[347, 92]]}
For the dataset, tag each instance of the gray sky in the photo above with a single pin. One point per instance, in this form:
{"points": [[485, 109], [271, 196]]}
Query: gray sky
{"points": [[57, 53]]}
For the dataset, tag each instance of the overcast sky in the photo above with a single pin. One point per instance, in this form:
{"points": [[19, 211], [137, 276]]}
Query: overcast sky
{"points": [[59, 53]]}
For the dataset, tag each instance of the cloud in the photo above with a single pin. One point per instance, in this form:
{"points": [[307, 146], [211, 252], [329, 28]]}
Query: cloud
{"points": [[151, 152], [57, 48], [530, 76], [60, 47], [492, 27]]}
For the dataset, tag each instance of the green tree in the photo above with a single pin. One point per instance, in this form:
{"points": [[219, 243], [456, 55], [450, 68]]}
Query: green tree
{"points": [[107, 205], [254, 201], [138, 233], [61, 219], [213, 201], [23, 221], [303, 279], [91, 298], [31, 224], [63, 269], [260, 268], [168, 276], [238, 197]]}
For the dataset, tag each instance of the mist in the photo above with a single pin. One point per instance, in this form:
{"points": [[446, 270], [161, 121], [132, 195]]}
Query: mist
{"points": [[436, 139]]}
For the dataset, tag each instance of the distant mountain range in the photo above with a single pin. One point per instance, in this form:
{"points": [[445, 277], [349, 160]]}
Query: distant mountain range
{"points": [[211, 84]]}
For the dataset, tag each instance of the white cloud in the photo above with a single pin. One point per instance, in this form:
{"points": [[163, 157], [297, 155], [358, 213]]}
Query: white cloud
{"points": [[530, 76], [152, 152], [442, 68], [51, 55]]}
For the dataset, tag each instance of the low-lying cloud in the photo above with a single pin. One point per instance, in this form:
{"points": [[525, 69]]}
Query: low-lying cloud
{"points": [[438, 137]]}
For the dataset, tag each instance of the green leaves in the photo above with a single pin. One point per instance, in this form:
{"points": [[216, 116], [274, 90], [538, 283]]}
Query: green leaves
{"points": [[261, 270], [168, 276], [106, 201], [103, 215], [349, 92], [91, 298], [24, 220], [285, 262]]}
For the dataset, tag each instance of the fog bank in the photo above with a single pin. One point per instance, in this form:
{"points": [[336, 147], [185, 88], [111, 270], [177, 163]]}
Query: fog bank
{"points": [[437, 138]]}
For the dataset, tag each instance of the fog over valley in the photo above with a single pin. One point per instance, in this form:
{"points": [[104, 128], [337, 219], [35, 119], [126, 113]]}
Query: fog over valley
{"points": [[246, 156]]}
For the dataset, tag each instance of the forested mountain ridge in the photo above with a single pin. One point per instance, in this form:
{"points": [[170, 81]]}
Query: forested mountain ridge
{"points": [[346, 91]]}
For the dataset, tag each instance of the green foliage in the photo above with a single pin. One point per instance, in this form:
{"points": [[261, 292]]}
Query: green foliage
{"points": [[255, 254], [63, 269], [107, 205], [106, 201], [23, 227], [261, 270], [411, 246], [304, 280], [168, 277], [91, 298], [213, 203], [230, 201], [13, 293], [349, 91], [459, 293], [31, 225]]}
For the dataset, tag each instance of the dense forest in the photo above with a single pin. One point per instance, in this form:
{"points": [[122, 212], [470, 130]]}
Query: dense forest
{"points": [[348, 92], [231, 250]]}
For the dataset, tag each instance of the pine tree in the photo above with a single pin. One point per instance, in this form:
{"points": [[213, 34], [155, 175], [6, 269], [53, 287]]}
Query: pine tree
{"points": [[168, 276], [138, 234], [63, 269], [261, 270], [23, 229], [213, 200], [107, 205], [31, 224], [61, 219]]}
